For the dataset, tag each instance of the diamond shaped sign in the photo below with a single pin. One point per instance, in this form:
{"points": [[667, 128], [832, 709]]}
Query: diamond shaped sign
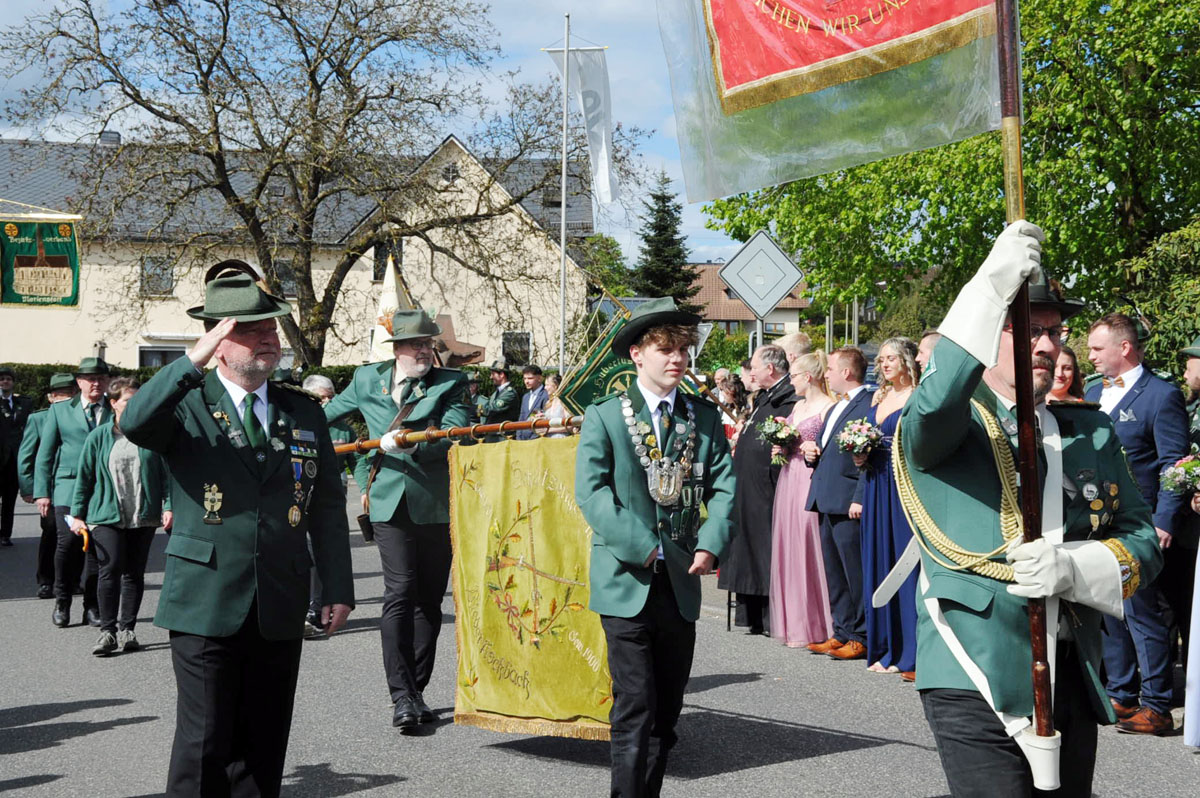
{"points": [[761, 274]]}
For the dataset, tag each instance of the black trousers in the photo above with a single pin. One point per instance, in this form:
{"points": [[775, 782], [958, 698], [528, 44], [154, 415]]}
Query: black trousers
{"points": [[9, 488], [71, 561], [416, 566], [121, 555], [1177, 582], [650, 660], [981, 761], [233, 712], [46, 548], [841, 548]]}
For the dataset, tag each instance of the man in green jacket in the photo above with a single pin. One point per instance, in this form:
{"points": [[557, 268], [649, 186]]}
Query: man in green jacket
{"points": [[649, 459], [408, 497], [504, 404], [954, 453], [253, 478], [67, 426], [61, 388]]}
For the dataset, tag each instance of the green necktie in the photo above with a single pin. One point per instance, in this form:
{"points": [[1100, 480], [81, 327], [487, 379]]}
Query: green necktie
{"points": [[254, 431], [665, 425]]}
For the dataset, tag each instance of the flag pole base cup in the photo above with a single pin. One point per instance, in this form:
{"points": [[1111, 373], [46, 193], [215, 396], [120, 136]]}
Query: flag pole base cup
{"points": [[1042, 754]]}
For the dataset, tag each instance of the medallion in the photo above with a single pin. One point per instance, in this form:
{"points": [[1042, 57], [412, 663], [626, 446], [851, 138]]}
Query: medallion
{"points": [[260, 457], [1097, 504], [212, 503], [1090, 491], [294, 515], [310, 469]]}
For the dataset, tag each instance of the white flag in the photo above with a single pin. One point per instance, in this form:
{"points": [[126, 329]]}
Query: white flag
{"points": [[389, 303], [589, 82]]}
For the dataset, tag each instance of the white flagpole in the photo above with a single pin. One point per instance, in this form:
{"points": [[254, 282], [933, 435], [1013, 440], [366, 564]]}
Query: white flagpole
{"points": [[562, 226]]}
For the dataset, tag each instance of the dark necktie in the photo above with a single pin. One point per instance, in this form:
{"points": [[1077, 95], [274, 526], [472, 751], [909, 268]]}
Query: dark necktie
{"points": [[254, 431], [93, 415], [1117, 381], [400, 392], [665, 423]]}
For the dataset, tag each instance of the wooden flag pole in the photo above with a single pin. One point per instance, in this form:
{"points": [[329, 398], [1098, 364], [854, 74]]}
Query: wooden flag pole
{"points": [[1008, 38]]}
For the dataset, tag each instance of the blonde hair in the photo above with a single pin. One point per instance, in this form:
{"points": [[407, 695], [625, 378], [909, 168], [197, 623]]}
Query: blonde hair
{"points": [[906, 349], [814, 365], [796, 344]]}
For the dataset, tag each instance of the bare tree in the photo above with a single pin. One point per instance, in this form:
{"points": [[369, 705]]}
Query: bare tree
{"points": [[296, 129]]}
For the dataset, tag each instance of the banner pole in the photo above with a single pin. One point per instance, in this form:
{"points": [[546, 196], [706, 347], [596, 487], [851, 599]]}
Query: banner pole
{"points": [[1008, 37], [562, 204]]}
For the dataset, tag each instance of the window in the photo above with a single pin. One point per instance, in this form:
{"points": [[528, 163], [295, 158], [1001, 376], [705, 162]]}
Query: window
{"points": [[158, 276], [156, 356], [286, 275], [773, 328], [450, 173], [516, 348], [382, 250], [551, 197]]}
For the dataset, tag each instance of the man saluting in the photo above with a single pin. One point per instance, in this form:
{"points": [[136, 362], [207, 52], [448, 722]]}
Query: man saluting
{"points": [[648, 458], [252, 474]]}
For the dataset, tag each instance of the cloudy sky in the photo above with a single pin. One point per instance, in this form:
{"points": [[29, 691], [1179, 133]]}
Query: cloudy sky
{"points": [[637, 73]]}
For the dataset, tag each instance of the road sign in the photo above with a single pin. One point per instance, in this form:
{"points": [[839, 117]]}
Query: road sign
{"points": [[761, 274]]}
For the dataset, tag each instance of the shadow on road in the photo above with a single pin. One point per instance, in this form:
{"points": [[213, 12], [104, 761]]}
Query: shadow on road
{"points": [[22, 728], [36, 713], [25, 782], [321, 781], [698, 684]]}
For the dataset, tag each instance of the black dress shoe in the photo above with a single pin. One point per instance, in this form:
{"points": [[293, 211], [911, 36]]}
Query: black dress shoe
{"points": [[406, 716], [45, 591], [423, 710], [5, 542], [61, 615], [92, 616]]}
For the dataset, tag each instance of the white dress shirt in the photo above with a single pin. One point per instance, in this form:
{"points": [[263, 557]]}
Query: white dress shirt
{"points": [[1111, 396], [836, 412], [237, 395]]}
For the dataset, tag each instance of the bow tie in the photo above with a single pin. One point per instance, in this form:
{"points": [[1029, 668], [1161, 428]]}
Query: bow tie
{"points": [[1117, 381]]}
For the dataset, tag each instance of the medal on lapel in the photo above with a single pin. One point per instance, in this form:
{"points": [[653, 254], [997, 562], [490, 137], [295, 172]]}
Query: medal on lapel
{"points": [[666, 472], [294, 515], [212, 503]]}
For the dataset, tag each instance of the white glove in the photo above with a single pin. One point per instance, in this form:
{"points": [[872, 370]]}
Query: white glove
{"points": [[977, 315], [389, 443], [1041, 570]]}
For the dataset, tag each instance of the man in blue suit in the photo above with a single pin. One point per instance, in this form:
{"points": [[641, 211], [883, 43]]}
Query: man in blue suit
{"points": [[534, 400], [836, 494], [1151, 422]]}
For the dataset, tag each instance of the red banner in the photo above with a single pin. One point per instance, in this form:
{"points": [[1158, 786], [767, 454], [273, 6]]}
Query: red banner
{"points": [[767, 50]]}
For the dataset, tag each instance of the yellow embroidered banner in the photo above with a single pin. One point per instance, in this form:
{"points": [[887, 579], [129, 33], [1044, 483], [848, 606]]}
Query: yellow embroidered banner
{"points": [[531, 656]]}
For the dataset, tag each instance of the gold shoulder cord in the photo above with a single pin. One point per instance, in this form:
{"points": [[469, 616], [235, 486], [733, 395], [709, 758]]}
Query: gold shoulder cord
{"points": [[930, 536]]}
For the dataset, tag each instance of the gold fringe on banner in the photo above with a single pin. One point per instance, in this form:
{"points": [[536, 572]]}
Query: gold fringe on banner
{"points": [[580, 729]]}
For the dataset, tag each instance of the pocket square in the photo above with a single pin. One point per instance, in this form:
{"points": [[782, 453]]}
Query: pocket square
{"points": [[1126, 415]]}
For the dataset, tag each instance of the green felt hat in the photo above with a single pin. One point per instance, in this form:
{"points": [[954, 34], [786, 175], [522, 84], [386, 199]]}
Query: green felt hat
{"points": [[408, 324], [1193, 350], [92, 365], [654, 313], [5, 371], [61, 380], [231, 290], [1048, 293], [498, 367]]}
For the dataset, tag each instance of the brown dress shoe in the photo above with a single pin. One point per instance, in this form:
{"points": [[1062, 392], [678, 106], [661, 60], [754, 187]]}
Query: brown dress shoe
{"points": [[1146, 721], [1123, 712], [908, 676], [852, 650], [826, 647]]}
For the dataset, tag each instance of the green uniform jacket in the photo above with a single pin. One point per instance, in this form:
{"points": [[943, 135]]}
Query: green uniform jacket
{"points": [[952, 468], [63, 434], [215, 571], [95, 492], [423, 476], [503, 405], [27, 454], [12, 425], [627, 525]]}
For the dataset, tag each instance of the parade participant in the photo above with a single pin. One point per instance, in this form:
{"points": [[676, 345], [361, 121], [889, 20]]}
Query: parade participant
{"points": [[648, 458], [61, 388], [534, 400], [504, 404], [1068, 382], [14, 413], [1148, 414], [253, 475], [955, 449], [67, 426], [408, 498], [929, 340], [477, 401], [120, 498], [747, 568], [836, 494]]}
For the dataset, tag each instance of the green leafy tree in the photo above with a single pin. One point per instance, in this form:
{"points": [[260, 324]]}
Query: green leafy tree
{"points": [[600, 256], [1112, 162], [662, 268], [723, 350], [1164, 283]]}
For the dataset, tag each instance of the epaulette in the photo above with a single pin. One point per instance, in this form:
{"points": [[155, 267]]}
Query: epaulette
{"points": [[287, 386], [1073, 405], [606, 398]]}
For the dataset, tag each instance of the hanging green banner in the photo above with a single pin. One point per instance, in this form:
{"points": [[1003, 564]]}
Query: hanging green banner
{"points": [[39, 263]]}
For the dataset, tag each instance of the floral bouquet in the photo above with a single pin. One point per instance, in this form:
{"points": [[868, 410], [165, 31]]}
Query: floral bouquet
{"points": [[1183, 477], [777, 432], [858, 437]]}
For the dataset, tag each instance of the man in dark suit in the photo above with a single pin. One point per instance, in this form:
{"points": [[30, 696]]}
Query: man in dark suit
{"points": [[14, 412], [1151, 422], [836, 494], [534, 400], [67, 426], [253, 479], [62, 387], [408, 492], [747, 568]]}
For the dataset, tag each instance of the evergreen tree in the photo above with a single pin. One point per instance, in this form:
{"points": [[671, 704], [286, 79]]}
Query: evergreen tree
{"points": [[662, 268]]}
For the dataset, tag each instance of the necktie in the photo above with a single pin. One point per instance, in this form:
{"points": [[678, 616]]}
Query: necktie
{"points": [[254, 430], [665, 423], [1117, 381], [400, 392], [93, 415]]}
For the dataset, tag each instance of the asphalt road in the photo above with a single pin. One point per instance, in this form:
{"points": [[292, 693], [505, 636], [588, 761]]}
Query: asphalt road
{"points": [[759, 720]]}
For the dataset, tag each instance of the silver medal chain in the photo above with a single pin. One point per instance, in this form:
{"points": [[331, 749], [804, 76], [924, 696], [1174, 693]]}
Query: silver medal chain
{"points": [[665, 477]]}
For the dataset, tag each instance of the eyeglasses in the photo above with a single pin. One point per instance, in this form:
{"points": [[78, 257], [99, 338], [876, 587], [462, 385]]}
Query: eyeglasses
{"points": [[1057, 334]]}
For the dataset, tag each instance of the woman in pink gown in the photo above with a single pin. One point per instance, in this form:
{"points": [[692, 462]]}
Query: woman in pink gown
{"points": [[799, 599]]}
